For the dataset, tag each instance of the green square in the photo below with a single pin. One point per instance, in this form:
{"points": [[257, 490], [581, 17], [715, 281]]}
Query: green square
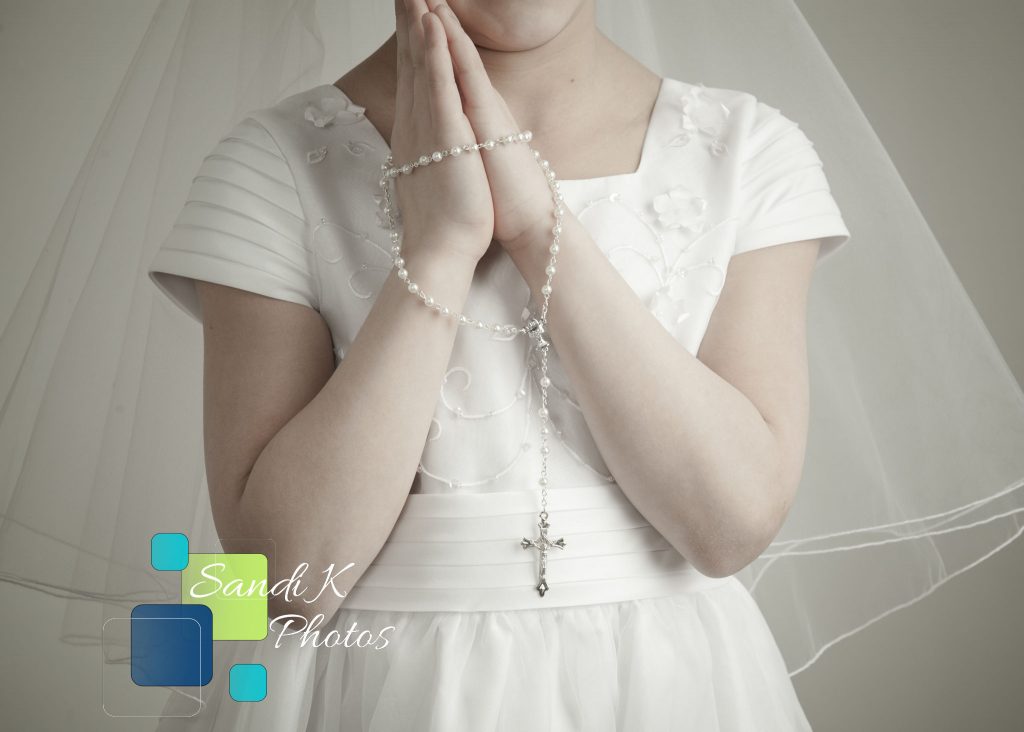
{"points": [[235, 592]]}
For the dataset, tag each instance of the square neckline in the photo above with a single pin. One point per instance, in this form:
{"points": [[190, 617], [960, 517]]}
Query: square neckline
{"points": [[646, 149]]}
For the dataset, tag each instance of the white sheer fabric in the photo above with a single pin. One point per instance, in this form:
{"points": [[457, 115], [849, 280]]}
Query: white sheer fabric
{"points": [[694, 660], [914, 465]]}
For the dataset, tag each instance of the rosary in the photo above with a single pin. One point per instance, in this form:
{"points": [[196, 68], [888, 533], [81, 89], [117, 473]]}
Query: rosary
{"points": [[535, 328]]}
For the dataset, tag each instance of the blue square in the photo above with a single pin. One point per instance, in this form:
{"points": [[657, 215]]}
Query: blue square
{"points": [[172, 645], [247, 682], [168, 552]]}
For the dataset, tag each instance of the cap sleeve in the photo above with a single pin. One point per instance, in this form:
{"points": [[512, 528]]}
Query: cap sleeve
{"points": [[242, 225], [784, 195]]}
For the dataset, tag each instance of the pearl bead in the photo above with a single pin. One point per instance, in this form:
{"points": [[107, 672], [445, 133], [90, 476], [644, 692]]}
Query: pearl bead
{"points": [[402, 274], [399, 262], [546, 290], [445, 311], [554, 249], [437, 157], [545, 381], [542, 481], [542, 412], [550, 269], [429, 301], [413, 287], [424, 159], [455, 151]]}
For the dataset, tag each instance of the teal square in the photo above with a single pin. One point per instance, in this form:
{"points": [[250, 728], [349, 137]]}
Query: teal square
{"points": [[247, 682], [168, 552]]}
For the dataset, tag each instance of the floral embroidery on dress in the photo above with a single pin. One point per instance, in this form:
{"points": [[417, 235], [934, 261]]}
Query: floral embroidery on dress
{"points": [[679, 207], [672, 304], [702, 118], [357, 147], [316, 156], [333, 109], [676, 247]]}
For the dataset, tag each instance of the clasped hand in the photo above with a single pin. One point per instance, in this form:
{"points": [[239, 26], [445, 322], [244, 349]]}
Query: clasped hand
{"points": [[465, 201]]}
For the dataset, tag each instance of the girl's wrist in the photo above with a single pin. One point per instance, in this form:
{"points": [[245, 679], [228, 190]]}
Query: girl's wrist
{"points": [[531, 251], [437, 261]]}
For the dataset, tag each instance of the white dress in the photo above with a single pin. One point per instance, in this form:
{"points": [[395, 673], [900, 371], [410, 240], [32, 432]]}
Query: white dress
{"points": [[630, 636]]}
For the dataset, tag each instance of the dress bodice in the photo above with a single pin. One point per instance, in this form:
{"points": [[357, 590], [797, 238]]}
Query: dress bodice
{"points": [[720, 173]]}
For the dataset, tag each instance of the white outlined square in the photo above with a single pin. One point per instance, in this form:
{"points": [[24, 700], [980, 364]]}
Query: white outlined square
{"points": [[122, 697]]}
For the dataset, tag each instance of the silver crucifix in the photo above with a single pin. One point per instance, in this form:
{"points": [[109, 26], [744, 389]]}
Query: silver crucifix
{"points": [[543, 543]]}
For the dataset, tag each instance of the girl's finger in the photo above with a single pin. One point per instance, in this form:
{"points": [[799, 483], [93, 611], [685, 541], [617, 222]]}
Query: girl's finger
{"points": [[470, 73], [403, 91], [420, 93], [445, 104]]}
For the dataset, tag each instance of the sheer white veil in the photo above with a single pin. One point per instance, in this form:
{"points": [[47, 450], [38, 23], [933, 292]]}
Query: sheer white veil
{"points": [[915, 460]]}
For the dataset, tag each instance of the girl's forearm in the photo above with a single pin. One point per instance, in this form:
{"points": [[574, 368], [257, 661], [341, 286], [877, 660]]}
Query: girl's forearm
{"points": [[330, 485], [689, 450]]}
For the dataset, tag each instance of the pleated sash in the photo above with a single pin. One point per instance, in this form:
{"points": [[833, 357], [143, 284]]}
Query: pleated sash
{"points": [[462, 552]]}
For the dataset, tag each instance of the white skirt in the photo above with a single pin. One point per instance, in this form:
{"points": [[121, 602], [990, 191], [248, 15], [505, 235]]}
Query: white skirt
{"points": [[448, 634]]}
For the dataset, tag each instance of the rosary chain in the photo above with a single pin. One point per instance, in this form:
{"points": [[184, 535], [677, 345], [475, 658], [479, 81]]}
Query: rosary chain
{"points": [[535, 328]]}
